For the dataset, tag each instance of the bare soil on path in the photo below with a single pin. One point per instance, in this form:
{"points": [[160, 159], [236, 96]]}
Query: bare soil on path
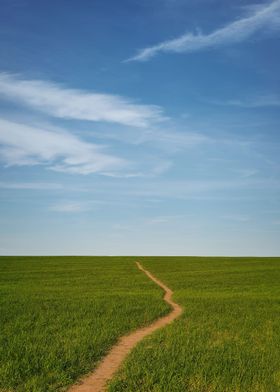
{"points": [[97, 381]]}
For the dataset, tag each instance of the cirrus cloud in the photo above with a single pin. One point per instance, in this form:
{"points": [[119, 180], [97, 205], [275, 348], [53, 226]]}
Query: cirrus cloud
{"points": [[260, 18], [60, 102], [22, 145]]}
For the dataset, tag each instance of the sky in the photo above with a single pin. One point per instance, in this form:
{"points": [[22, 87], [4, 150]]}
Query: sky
{"points": [[140, 127]]}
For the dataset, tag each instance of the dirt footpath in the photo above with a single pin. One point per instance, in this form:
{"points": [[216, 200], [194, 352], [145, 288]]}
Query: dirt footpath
{"points": [[97, 381]]}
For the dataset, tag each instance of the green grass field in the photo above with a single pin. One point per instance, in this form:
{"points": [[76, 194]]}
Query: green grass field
{"points": [[228, 339], [60, 315]]}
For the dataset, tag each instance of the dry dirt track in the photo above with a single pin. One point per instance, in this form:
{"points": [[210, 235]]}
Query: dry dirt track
{"points": [[96, 382]]}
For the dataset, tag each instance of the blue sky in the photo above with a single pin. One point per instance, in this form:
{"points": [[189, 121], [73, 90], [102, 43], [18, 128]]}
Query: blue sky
{"points": [[140, 127]]}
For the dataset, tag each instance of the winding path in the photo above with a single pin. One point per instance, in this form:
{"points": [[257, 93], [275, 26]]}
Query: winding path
{"points": [[97, 381]]}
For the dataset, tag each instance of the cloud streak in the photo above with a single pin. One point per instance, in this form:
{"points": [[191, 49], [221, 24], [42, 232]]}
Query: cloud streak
{"points": [[57, 101], [258, 101], [260, 18], [69, 207], [34, 186], [198, 189], [22, 145]]}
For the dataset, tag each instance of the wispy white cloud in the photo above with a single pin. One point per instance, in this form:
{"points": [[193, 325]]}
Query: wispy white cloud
{"points": [[168, 139], [144, 167], [57, 101], [172, 140], [22, 144], [151, 168], [258, 101], [246, 173], [236, 218], [259, 18], [199, 189], [40, 186], [70, 207], [159, 220]]}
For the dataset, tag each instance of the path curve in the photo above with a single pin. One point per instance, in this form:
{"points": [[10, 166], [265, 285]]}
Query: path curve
{"points": [[97, 381]]}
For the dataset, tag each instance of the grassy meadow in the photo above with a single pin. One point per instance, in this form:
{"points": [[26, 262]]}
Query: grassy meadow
{"points": [[228, 339], [59, 316]]}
